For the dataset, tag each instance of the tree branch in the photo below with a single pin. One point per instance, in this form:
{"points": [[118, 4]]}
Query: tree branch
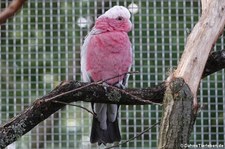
{"points": [[72, 91], [178, 117], [138, 135], [179, 108], [9, 11], [200, 42], [215, 62]]}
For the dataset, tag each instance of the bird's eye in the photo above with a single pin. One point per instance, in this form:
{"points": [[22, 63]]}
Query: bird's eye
{"points": [[119, 18]]}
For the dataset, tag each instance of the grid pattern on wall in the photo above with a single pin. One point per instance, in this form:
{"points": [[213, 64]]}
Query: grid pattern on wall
{"points": [[40, 46]]}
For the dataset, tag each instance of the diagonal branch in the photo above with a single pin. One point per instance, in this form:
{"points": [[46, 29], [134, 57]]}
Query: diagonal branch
{"points": [[9, 11], [73, 91], [138, 135]]}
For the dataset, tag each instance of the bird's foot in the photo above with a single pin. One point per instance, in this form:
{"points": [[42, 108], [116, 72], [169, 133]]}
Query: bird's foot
{"points": [[120, 85], [105, 85]]}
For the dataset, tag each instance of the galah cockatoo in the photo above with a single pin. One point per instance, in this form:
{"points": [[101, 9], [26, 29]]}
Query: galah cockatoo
{"points": [[107, 53]]}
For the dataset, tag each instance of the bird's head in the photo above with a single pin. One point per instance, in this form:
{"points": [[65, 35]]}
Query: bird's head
{"points": [[116, 18]]}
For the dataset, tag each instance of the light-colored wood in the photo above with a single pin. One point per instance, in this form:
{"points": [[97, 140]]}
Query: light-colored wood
{"points": [[200, 42], [178, 115]]}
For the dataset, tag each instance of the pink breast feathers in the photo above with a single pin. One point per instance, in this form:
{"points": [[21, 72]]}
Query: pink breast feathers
{"points": [[108, 55]]}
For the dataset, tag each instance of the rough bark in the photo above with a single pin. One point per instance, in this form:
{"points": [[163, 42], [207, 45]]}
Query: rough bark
{"points": [[180, 102], [72, 91], [178, 119]]}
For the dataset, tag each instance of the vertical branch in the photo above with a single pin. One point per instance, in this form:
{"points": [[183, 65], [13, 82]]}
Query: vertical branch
{"points": [[178, 113], [200, 42]]}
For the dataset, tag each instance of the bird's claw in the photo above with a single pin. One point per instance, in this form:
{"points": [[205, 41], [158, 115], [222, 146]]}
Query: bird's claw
{"points": [[120, 85], [105, 85]]}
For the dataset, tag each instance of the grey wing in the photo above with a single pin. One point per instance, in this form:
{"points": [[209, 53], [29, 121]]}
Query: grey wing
{"points": [[85, 75], [99, 108], [126, 77]]}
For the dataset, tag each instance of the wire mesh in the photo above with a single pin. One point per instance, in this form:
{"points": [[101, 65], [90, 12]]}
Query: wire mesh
{"points": [[40, 46]]}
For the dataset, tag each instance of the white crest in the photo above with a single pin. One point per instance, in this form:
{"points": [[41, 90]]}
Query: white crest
{"points": [[116, 11]]}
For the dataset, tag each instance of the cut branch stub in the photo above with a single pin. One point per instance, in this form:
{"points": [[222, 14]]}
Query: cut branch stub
{"points": [[178, 117]]}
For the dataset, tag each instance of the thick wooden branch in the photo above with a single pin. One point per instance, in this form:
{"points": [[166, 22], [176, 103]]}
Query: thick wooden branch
{"points": [[178, 119], [9, 11], [72, 91], [200, 42], [178, 112]]}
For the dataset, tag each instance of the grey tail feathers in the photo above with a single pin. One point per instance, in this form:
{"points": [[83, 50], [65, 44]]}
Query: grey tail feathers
{"points": [[110, 135]]}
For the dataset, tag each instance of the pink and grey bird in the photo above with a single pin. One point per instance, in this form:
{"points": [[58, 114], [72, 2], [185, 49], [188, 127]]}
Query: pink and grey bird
{"points": [[107, 53]]}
